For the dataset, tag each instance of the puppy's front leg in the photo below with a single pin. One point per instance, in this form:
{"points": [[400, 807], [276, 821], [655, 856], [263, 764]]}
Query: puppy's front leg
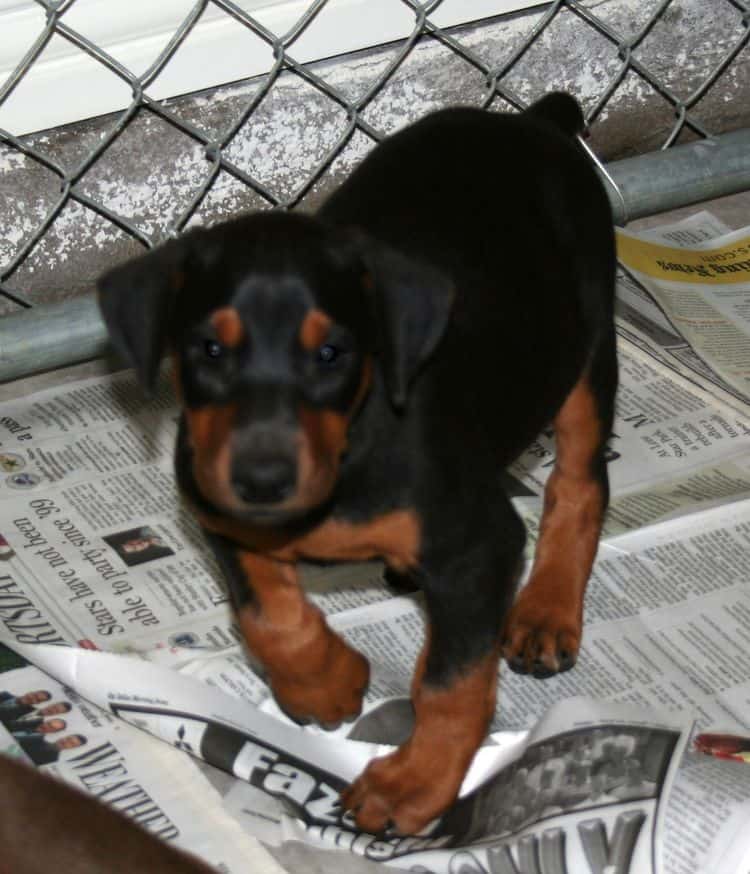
{"points": [[313, 673], [453, 690], [421, 779]]}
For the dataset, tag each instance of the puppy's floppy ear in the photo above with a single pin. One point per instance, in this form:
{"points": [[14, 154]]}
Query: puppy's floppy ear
{"points": [[561, 110], [412, 303], [136, 300]]}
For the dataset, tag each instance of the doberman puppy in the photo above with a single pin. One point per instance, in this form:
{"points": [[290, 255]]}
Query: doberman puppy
{"points": [[354, 383]]}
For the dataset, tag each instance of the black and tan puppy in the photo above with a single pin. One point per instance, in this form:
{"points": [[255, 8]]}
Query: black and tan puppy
{"points": [[353, 384]]}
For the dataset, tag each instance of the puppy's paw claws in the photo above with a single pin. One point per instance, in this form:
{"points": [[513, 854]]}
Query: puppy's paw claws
{"points": [[391, 794], [540, 642]]}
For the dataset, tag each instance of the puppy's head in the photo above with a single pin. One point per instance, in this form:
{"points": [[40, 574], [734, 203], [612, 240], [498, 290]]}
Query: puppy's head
{"points": [[276, 325]]}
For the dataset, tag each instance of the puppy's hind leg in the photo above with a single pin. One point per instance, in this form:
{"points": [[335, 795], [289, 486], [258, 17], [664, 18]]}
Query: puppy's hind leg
{"points": [[543, 633]]}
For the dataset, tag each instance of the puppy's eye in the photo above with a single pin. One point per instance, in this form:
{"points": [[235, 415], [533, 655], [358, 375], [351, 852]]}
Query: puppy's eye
{"points": [[213, 349], [328, 354]]}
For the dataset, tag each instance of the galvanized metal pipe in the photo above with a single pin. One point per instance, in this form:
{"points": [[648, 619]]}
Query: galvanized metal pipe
{"points": [[693, 173], [51, 336], [56, 335]]}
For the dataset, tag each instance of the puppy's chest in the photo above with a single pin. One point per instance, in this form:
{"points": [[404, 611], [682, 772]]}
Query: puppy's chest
{"points": [[394, 536]]}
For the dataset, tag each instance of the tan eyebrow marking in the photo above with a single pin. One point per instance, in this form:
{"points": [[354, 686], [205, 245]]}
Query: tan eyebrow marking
{"points": [[228, 326], [314, 329]]}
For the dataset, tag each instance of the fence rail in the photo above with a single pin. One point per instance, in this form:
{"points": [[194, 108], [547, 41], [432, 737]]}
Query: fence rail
{"points": [[718, 163]]}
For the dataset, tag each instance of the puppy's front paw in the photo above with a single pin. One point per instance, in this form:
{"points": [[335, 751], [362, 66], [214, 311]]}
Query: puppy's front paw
{"points": [[331, 692], [396, 790], [539, 638]]}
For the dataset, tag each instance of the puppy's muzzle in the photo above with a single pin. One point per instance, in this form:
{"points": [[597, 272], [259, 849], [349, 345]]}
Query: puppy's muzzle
{"points": [[264, 467], [265, 480]]}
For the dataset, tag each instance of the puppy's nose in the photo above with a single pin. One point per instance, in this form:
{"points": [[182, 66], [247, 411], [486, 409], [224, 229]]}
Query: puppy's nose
{"points": [[265, 480]]}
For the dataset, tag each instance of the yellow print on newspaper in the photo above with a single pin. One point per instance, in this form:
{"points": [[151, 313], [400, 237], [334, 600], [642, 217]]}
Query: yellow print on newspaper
{"points": [[729, 264]]}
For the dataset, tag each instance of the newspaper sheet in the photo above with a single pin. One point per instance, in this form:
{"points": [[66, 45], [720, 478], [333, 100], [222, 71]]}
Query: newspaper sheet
{"points": [[47, 723], [672, 451], [586, 783], [695, 317], [99, 554]]}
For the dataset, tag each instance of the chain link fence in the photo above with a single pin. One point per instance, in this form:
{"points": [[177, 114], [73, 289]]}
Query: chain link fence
{"points": [[665, 61]]}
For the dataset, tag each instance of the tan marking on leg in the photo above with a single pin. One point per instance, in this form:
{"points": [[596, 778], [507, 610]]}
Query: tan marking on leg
{"points": [[314, 674], [421, 779], [227, 323], [314, 330], [543, 630]]}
